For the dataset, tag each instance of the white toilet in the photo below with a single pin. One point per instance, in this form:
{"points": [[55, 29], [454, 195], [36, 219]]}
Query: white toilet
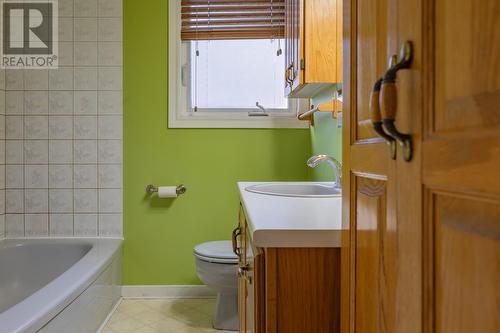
{"points": [[217, 267]]}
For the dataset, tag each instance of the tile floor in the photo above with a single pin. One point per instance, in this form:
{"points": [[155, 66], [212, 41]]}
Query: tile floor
{"points": [[162, 316]]}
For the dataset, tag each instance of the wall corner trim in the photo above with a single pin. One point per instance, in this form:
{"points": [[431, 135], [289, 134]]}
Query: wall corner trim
{"points": [[167, 291]]}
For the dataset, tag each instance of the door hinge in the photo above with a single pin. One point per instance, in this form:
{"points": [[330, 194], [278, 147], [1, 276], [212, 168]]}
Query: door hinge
{"points": [[302, 64]]}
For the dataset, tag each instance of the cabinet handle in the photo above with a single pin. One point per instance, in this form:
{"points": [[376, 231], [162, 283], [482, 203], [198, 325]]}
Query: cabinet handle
{"points": [[388, 100], [234, 239], [376, 118], [242, 273], [242, 270]]}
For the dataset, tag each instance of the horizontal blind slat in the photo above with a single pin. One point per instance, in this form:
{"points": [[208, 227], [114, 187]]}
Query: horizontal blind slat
{"points": [[186, 17], [231, 2], [235, 10], [231, 19], [220, 34], [198, 24]]}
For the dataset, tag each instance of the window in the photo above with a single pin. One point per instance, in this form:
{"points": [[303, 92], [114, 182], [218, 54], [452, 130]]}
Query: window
{"points": [[226, 65], [236, 74]]}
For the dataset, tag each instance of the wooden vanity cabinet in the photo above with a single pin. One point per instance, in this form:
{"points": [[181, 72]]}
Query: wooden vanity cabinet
{"points": [[287, 290], [313, 46], [250, 285]]}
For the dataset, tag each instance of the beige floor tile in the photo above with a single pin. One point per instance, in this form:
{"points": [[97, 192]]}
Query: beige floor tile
{"points": [[146, 329], [107, 330], [189, 330], [125, 324], [166, 306], [117, 316], [193, 302], [163, 316], [167, 325], [192, 317], [206, 306], [149, 317], [130, 306], [204, 322]]}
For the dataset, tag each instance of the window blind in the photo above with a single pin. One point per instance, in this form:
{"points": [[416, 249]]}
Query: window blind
{"points": [[232, 19]]}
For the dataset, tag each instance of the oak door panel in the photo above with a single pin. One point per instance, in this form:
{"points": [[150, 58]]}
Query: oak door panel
{"points": [[371, 57], [462, 140], [374, 259], [467, 64], [467, 264], [461, 166]]}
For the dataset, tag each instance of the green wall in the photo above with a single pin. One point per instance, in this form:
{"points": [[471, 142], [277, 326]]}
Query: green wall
{"points": [[326, 138], [160, 234]]}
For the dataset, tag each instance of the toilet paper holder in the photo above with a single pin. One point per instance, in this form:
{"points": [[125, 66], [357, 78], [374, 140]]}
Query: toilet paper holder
{"points": [[180, 189]]}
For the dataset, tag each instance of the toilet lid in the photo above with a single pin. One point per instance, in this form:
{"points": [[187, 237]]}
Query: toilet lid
{"points": [[216, 251]]}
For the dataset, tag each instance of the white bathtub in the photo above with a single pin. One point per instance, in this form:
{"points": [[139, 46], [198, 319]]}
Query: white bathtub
{"points": [[58, 285]]}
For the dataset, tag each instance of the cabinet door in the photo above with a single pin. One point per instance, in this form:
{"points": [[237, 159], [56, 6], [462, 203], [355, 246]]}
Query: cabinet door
{"points": [[321, 50], [254, 285], [242, 287], [293, 47], [248, 276], [288, 46], [251, 285], [242, 303]]}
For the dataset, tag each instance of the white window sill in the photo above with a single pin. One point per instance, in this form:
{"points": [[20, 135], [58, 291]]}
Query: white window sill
{"points": [[224, 120]]}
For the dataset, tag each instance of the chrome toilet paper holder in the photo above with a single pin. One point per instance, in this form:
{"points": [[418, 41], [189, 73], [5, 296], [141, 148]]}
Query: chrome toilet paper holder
{"points": [[180, 189]]}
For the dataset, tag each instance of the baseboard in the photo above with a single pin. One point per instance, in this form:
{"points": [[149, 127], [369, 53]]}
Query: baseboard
{"points": [[167, 291]]}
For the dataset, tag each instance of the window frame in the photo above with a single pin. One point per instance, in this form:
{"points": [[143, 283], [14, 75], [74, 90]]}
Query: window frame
{"points": [[179, 115]]}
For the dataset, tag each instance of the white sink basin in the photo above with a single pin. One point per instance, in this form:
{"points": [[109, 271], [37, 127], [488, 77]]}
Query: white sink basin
{"points": [[297, 189]]}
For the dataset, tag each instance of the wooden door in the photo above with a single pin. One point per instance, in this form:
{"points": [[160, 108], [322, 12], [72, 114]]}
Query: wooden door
{"points": [[461, 165], [369, 173], [422, 253]]}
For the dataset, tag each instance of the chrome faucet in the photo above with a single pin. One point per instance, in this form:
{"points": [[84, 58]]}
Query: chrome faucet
{"points": [[336, 166]]}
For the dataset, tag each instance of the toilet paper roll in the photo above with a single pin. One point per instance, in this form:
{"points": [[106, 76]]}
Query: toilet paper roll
{"points": [[167, 192]]}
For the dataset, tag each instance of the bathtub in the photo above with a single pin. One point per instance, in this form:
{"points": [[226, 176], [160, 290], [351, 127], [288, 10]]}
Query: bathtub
{"points": [[58, 285]]}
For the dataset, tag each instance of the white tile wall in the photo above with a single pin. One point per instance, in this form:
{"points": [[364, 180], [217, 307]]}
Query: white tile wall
{"points": [[61, 132]]}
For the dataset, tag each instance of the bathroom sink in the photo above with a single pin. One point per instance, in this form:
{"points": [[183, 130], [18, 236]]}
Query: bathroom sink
{"points": [[300, 189]]}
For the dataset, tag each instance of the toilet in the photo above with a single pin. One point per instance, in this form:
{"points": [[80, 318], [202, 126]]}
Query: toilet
{"points": [[217, 267]]}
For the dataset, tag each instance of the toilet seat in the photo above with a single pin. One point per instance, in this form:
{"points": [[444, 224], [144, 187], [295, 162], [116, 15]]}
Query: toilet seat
{"points": [[220, 252]]}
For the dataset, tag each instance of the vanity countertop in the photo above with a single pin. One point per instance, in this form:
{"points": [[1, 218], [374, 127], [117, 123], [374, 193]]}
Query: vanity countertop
{"points": [[279, 221]]}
